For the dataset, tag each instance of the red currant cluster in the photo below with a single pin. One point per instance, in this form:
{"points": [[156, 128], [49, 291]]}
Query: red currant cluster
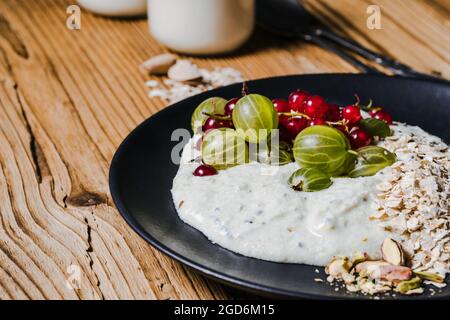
{"points": [[302, 110]]}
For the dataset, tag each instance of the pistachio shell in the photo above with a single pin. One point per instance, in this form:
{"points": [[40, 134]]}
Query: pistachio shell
{"points": [[407, 285], [429, 276], [359, 257], [339, 268], [392, 252]]}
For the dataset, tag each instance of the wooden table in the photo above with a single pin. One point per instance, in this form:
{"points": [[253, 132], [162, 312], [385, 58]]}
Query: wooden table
{"points": [[68, 98]]}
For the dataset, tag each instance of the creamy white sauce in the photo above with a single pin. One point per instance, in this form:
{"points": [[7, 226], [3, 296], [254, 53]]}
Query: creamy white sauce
{"points": [[251, 212]]}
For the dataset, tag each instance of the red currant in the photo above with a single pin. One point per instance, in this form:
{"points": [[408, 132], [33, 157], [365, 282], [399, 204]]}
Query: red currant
{"points": [[352, 114], [296, 100], [226, 124], [359, 138], [281, 105], [347, 128], [295, 125], [285, 136], [343, 129], [334, 113], [317, 122], [230, 106], [212, 123], [282, 120], [373, 111], [204, 170], [315, 107], [383, 116]]}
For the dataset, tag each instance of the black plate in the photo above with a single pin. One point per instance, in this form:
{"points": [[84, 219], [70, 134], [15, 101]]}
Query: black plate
{"points": [[141, 175]]}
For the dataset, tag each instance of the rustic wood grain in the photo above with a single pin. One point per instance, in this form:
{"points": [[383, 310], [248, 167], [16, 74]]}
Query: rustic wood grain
{"points": [[68, 98]]}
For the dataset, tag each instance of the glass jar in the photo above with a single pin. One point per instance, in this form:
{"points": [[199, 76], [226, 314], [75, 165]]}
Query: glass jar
{"points": [[201, 26], [115, 8]]}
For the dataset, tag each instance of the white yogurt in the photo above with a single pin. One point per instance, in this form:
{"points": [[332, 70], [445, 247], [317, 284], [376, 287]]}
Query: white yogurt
{"points": [[260, 216]]}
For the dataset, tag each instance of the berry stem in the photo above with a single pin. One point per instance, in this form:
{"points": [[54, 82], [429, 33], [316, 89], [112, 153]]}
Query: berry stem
{"points": [[336, 123], [298, 187], [196, 159], [366, 107], [217, 116], [244, 89], [357, 100], [300, 114], [294, 114]]}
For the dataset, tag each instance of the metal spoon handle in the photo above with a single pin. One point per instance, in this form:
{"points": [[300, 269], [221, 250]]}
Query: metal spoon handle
{"points": [[393, 65], [327, 45]]}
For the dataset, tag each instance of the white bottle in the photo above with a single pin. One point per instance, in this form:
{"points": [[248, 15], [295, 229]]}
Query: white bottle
{"points": [[201, 26], [116, 8]]}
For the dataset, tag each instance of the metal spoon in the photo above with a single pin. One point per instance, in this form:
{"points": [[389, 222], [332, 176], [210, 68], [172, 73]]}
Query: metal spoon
{"points": [[289, 18]]}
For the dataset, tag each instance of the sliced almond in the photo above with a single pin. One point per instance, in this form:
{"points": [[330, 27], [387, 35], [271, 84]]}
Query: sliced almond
{"points": [[184, 70], [158, 65], [392, 252]]}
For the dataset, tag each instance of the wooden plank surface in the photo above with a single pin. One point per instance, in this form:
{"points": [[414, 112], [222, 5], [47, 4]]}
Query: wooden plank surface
{"points": [[67, 100]]}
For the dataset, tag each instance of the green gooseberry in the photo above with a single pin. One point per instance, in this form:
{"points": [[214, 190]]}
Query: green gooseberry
{"points": [[324, 148], [214, 105], [309, 179], [370, 160], [223, 148], [254, 117]]}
